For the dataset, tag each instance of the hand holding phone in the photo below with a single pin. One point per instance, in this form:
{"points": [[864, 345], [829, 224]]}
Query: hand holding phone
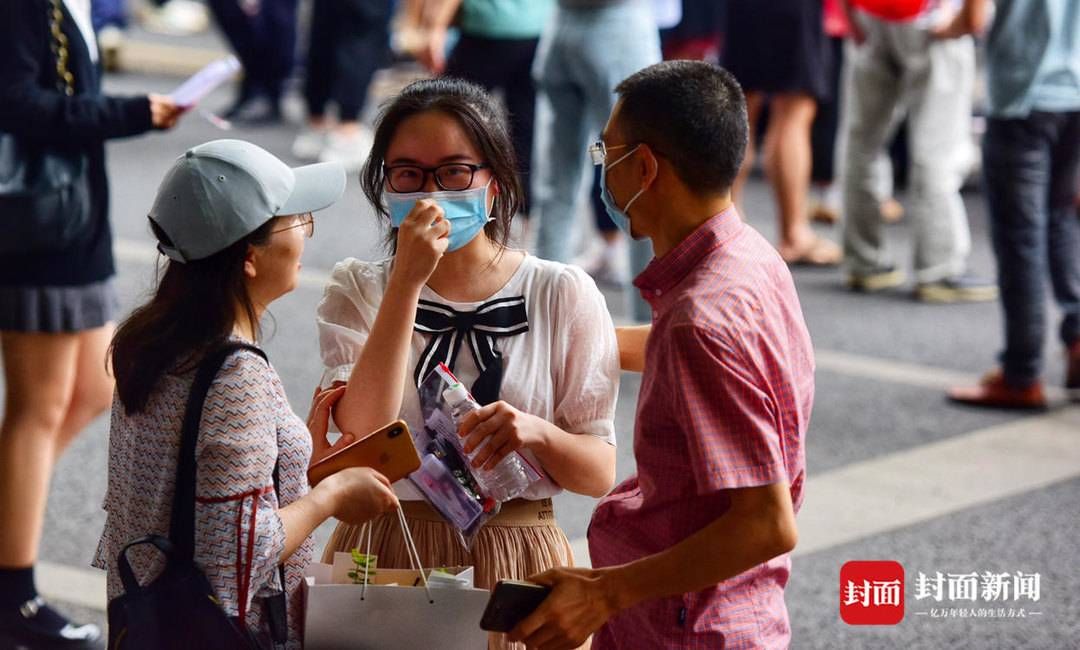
{"points": [[511, 601], [390, 451]]}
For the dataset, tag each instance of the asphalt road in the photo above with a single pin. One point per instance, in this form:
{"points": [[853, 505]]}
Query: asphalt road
{"points": [[882, 361]]}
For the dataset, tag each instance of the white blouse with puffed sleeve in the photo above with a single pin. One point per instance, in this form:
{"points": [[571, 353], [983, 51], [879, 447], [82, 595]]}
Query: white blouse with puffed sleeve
{"points": [[564, 369]]}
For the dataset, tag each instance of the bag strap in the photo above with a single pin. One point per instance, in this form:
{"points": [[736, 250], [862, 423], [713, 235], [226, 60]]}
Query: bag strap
{"points": [[410, 550], [182, 525], [182, 522], [276, 606], [59, 46]]}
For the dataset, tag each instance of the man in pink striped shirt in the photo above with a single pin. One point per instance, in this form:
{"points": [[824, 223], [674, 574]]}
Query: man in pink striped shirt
{"points": [[692, 552]]}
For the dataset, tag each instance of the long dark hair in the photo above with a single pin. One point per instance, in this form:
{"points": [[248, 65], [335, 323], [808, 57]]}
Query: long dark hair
{"points": [[192, 311], [484, 122]]}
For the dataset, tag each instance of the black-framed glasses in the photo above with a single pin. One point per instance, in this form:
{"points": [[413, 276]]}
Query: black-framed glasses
{"points": [[451, 177], [598, 151], [306, 221]]}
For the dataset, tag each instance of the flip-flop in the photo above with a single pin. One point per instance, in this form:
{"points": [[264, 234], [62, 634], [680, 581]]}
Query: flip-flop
{"points": [[820, 252]]}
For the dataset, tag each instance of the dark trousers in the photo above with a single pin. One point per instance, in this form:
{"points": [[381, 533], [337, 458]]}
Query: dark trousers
{"points": [[350, 41], [264, 42], [1031, 170], [827, 120], [506, 65]]}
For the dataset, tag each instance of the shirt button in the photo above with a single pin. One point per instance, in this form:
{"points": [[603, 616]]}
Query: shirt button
{"points": [[658, 292]]}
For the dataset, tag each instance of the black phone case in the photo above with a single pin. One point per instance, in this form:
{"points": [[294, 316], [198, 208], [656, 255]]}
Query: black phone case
{"points": [[510, 603]]}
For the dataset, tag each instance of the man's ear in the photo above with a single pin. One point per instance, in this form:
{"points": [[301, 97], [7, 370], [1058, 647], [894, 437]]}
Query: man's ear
{"points": [[250, 268], [648, 167]]}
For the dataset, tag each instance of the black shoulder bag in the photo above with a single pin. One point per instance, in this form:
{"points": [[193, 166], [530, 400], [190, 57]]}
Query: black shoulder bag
{"points": [[44, 191], [178, 610]]}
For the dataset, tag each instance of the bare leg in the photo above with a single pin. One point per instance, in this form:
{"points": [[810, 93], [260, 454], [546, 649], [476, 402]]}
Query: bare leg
{"points": [[787, 164], [93, 389], [39, 374]]}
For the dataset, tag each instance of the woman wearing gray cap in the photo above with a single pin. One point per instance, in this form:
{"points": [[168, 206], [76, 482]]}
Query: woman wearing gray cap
{"points": [[232, 219]]}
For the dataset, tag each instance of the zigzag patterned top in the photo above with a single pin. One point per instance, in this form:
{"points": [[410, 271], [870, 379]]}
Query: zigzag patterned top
{"points": [[247, 424]]}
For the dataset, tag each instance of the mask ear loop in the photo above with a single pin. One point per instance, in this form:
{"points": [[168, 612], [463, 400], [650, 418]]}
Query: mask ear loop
{"points": [[623, 157], [626, 208], [488, 210]]}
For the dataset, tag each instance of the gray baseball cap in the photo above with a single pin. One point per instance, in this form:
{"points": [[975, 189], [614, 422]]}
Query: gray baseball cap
{"points": [[221, 191]]}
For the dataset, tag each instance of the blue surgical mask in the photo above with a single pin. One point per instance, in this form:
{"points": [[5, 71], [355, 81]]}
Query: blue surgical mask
{"points": [[618, 215], [467, 211]]}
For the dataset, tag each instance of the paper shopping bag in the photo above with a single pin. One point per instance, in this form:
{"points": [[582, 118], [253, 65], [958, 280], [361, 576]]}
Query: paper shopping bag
{"points": [[390, 612]]}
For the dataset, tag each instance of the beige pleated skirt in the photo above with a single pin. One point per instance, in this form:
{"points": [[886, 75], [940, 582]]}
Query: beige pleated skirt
{"points": [[522, 540]]}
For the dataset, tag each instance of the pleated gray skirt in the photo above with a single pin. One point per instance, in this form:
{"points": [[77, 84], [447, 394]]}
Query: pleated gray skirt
{"points": [[58, 309]]}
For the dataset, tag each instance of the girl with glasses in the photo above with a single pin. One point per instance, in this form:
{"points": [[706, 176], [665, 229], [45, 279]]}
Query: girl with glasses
{"points": [[531, 339]]}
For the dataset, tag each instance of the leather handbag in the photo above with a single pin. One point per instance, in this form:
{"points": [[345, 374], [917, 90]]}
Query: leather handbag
{"points": [[178, 610], [44, 190]]}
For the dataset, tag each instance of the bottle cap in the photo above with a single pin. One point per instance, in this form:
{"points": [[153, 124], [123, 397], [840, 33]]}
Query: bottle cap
{"points": [[455, 394]]}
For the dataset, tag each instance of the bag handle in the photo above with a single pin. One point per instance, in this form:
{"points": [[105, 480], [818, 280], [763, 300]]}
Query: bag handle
{"points": [[410, 550], [127, 574]]}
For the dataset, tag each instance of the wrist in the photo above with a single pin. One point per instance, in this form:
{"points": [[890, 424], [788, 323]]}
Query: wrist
{"points": [[540, 440], [401, 285], [617, 588], [324, 498]]}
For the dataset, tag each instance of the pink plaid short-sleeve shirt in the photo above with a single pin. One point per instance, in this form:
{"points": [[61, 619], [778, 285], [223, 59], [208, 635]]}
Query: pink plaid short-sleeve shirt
{"points": [[725, 402]]}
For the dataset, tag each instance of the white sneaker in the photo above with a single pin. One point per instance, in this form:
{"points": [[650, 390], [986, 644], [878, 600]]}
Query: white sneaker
{"points": [[177, 18], [349, 150], [309, 143]]}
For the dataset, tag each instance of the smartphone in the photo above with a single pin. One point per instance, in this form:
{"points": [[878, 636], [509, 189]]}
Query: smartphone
{"points": [[511, 601], [389, 450]]}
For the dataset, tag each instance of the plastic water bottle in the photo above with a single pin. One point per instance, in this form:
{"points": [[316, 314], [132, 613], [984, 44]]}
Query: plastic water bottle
{"points": [[508, 479]]}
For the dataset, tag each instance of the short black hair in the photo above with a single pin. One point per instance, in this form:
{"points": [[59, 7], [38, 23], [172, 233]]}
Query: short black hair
{"points": [[692, 113]]}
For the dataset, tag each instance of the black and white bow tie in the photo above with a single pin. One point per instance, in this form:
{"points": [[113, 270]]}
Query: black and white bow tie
{"points": [[448, 327]]}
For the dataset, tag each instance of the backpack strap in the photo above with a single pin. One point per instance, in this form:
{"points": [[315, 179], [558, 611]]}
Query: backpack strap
{"points": [[182, 522]]}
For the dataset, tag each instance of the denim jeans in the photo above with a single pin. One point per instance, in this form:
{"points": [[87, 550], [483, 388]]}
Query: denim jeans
{"points": [[582, 56], [1031, 167]]}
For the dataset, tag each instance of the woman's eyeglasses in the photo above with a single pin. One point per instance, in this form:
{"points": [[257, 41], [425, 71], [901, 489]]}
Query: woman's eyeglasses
{"points": [[451, 177], [306, 221]]}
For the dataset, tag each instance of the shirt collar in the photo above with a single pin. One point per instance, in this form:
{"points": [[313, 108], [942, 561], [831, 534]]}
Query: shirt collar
{"points": [[663, 273]]}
